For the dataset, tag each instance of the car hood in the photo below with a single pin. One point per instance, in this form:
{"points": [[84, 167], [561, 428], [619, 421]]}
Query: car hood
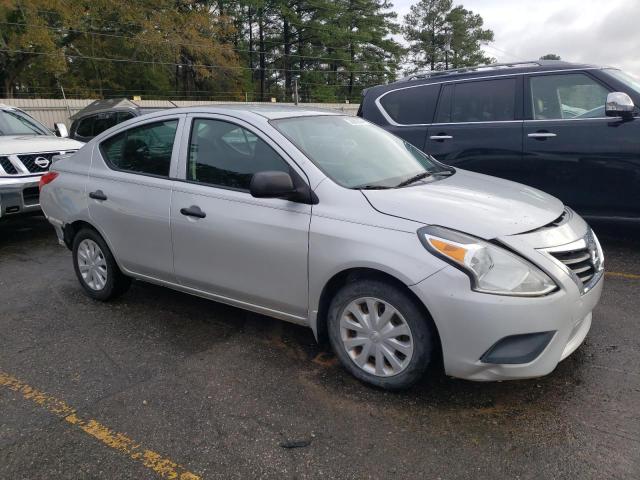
{"points": [[480, 205], [18, 144]]}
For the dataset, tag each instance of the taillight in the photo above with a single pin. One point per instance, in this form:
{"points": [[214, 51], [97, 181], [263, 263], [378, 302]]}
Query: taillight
{"points": [[47, 178]]}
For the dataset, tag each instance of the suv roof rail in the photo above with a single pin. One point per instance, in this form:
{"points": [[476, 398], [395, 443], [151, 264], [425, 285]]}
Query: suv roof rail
{"points": [[477, 68]]}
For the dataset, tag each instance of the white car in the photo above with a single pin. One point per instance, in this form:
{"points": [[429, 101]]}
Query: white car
{"points": [[26, 152]]}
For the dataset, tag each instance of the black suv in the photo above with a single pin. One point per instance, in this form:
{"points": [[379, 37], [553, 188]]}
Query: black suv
{"points": [[571, 130], [101, 115]]}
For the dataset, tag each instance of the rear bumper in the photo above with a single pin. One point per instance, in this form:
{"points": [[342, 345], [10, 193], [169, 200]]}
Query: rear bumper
{"points": [[19, 195]]}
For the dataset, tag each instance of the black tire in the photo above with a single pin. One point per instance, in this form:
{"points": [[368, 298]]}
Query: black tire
{"points": [[420, 324], [116, 282]]}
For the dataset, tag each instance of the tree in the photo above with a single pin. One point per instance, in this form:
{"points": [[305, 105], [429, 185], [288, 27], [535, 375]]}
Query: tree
{"points": [[550, 56], [435, 30]]}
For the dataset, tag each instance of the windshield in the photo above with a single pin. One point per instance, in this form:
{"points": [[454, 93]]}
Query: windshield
{"points": [[357, 154], [629, 80], [14, 122]]}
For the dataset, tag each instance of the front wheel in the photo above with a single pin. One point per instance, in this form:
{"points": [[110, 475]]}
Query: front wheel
{"points": [[380, 334], [96, 268]]}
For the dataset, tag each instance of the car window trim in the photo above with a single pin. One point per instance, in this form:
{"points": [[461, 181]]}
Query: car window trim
{"points": [[176, 141], [184, 153], [467, 79], [528, 105]]}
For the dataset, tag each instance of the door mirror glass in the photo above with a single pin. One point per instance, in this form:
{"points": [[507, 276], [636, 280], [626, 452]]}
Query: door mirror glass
{"points": [[272, 184], [61, 130], [619, 104]]}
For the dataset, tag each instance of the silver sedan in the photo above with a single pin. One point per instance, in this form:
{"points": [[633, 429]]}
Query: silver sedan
{"points": [[328, 221]]}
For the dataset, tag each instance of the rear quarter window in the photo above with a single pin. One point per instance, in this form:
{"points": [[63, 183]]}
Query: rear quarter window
{"points": [[412, 105]]}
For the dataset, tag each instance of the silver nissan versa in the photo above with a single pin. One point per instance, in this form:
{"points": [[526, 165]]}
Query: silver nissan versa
{"points": [[329, 221]]}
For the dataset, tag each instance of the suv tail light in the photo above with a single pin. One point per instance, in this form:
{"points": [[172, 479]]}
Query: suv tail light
{"points": [[47, 178]]}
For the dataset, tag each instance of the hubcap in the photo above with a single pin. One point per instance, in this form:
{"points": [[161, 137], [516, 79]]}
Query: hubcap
{"points": [[376, 336], [92, 264]]}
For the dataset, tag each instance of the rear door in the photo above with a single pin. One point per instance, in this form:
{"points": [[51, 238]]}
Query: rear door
{"points": [[408, 111], [589, 161], [129, 189], [478, 126]]}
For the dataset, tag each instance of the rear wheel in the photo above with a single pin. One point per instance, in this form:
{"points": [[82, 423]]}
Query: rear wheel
{"points": [[380, 334], [96, 268]]}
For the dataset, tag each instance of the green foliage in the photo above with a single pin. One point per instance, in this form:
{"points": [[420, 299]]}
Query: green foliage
{"points": [[223, 49], [550, 56], [443, 36]]}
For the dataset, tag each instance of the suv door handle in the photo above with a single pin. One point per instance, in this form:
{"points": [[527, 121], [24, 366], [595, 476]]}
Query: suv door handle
{"points": [[193, 211], [98, 195], [440, 138], [542, 135]]}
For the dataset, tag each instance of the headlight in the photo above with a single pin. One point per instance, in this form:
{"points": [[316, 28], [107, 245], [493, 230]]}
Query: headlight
{"points": [[491, 269]]}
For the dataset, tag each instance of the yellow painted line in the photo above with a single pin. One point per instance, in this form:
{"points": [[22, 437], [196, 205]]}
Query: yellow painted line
{"points": [[630, 276], [164, 467]]}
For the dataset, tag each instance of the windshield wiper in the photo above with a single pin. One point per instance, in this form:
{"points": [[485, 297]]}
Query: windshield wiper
{"points": [[413, 179], [371, 187]]}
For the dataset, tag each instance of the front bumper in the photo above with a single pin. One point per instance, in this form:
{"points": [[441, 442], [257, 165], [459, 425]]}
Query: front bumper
{"points": [[470, 323], [19, 195]]}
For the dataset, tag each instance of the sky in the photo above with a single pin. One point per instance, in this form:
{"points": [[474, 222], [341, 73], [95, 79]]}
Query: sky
{"points": [[602, 32]]}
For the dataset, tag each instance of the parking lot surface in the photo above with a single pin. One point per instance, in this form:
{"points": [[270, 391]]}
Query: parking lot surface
{"points": [[159, 384]]}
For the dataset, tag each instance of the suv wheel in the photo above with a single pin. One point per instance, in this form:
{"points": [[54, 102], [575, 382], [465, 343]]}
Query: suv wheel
{"points": [[380, 334], [96, 268]]}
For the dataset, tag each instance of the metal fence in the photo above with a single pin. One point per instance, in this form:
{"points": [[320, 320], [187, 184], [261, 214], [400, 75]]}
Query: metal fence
{"points": [[51, 111]]}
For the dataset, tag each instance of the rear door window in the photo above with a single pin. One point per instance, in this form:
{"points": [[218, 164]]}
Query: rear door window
{"points": [[145, 149], [85, 127], [103, 121], [413, 105], [572, 95], [484, 101]]}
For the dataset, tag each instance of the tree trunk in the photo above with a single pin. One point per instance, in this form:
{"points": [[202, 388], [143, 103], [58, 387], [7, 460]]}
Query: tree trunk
{"points": [[286, 36], [262, 52]]}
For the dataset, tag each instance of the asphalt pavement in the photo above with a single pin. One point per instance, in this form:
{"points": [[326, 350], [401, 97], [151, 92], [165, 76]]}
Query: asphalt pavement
{"points": [[159, 384]]}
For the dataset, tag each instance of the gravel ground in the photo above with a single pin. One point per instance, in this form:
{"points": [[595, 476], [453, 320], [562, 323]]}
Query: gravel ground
{"points": [[211, 391]]}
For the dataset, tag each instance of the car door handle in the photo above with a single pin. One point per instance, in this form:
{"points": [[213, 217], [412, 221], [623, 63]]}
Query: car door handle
{"points": [[193, 211], [440, 137], [542, 135], [98, 195]]}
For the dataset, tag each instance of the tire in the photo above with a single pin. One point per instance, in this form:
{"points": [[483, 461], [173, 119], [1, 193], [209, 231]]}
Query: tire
{"points": [[95, 267], [406, 331]]}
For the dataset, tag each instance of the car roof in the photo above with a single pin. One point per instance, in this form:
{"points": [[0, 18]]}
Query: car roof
{"points": [[480, 71], [106, 105], [269, 112]]}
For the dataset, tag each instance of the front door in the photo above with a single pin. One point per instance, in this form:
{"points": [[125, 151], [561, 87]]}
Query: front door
{"points": [[129, 195], [478, 127], [590, 161], [245, 250]]}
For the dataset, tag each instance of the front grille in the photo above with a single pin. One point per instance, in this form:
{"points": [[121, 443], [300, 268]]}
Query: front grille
{"points": [[31, 161], [583, 259], [7, 166], [579, 262]]}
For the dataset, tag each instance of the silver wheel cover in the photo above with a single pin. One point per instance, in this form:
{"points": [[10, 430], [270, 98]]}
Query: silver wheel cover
{"points": [[376, 336], [92, 264]]}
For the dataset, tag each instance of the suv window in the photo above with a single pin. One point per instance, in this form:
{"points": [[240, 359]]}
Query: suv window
{"points": [[411, 105], [226, 155], [146, 149], [572, 95], [123, 116], [479, 101], [103, 121], [85, 127]]}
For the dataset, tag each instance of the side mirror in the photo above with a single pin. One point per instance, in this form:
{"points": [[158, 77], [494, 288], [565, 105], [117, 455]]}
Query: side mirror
{"points": [[619, 104], [272, 185], [61, 130]]}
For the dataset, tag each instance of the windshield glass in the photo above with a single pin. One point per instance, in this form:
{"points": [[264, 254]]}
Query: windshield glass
{"points": [[631, 81], [357, 154], [13, 122]]}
